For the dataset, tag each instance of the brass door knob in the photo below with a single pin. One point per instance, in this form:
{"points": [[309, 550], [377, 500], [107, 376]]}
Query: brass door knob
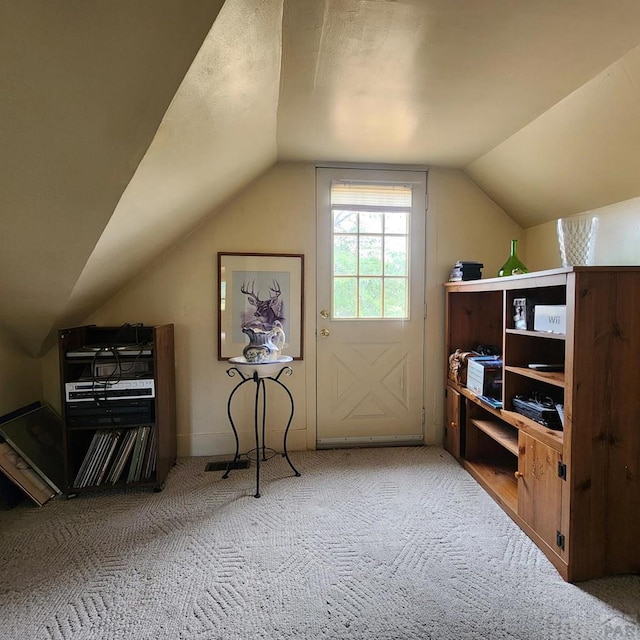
{"points": [[324, 332], [324, 313], [518, 474], [453, 424]]}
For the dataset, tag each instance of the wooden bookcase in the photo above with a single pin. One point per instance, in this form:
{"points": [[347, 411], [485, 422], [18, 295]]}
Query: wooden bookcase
{"points": [[574, 491], [101, 363]]}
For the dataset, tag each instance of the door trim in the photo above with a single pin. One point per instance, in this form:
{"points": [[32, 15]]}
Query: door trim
{"points": [[390, 439]]}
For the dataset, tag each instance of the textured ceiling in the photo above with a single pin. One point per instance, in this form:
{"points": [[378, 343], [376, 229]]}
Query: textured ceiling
{"points": [[124, 124], [435, 81]]}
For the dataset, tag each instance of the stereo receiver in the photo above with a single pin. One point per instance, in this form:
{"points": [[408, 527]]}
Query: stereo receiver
{"points": [[106, 390]]}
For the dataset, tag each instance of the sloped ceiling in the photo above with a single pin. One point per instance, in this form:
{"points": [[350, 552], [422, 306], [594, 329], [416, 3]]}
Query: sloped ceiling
{"points": [[536, 101], [84, 86], [218, 135], [581, 154]]}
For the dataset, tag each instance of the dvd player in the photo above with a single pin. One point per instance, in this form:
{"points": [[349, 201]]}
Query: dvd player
{"points": [[85, 391]]}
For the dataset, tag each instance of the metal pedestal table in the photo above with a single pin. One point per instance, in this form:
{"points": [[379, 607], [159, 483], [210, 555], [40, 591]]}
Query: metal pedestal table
{"points": [[259, 423]]}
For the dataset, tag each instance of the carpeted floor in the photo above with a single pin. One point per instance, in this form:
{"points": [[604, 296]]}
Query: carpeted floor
{"points": [[367, 544]]}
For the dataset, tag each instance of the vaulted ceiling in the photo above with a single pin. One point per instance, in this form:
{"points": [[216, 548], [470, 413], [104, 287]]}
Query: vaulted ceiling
{"points": [[124, 124]]}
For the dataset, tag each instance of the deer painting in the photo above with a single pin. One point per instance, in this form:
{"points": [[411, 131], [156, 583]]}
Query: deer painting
{"points": [[268, 311]]}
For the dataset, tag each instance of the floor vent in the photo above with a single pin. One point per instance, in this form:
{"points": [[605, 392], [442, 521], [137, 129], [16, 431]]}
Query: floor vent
{"points": [[223, 466]]}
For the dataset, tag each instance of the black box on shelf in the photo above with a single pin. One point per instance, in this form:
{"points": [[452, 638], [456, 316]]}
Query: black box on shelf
{"points": [[542, 413], [466, 270]]}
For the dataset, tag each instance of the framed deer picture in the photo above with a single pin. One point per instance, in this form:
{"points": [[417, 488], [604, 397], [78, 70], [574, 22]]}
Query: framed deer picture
{"points": [[264, 290]]}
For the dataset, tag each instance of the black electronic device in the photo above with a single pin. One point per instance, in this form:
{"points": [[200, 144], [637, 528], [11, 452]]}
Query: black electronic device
{"points": [[544, 413], [109, 390], [109, 412], [466, 270], [109, 351]]}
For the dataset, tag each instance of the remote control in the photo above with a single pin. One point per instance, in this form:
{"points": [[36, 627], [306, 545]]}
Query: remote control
{"points": [[546, 367]]}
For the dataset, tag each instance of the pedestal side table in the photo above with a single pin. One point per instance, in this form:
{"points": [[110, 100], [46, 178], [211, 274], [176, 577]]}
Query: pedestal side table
{"points": [[259, 376]]}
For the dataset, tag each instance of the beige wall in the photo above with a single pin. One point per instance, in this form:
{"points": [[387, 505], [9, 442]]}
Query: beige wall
{"points": [[617, 242], [20, 379], [276, 214], [462, 224]]}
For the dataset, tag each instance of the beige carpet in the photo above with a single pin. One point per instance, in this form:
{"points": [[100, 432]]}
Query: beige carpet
{"points": [[367, 544]]}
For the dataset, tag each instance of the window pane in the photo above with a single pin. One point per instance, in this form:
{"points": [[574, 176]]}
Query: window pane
{"points": [[395, 298], [345, 221], [345, 257], [344, 297], [396, 222], [395, 256], [370, 256], [370, 250], [370, 297], [370, 222]]}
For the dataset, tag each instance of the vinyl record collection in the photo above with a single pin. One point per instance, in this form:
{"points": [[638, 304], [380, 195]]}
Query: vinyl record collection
{"points": [[112, 450]]}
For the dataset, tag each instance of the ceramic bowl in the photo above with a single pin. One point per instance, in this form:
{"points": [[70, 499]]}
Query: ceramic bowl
{"points": [[265, 369]]}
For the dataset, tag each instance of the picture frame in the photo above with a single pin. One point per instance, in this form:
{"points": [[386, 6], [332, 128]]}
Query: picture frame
{"points": [[23, 476], [260, 287], [35, 433]]}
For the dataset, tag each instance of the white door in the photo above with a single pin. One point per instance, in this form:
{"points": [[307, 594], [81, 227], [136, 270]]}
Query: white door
{"points": [[370, 306]]}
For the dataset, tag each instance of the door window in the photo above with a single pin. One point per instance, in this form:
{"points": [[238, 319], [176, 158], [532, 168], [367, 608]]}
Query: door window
{"points": [[370, 250]]}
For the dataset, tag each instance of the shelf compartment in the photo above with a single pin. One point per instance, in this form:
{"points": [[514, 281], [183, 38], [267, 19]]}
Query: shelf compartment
{"points": [[474, 318], [503, 434], [554, 294], [485, 448], [555, 378], [474, 398], [516, 383], [550, 437], [522, 349], [498, 479]]}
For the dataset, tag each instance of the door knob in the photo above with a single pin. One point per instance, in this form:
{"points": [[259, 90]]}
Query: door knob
{"points": [[518, 475], [324, 332], [324, 313]]}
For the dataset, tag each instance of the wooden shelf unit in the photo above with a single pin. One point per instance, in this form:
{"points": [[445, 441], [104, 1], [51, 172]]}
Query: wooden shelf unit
{"points": [[137, 353], [575, 491]]}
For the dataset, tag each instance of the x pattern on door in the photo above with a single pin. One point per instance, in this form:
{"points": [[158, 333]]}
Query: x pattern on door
{"points": [[384, 395]]}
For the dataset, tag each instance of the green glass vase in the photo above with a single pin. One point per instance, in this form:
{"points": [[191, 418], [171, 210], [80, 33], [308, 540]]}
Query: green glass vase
{"points": [[513, 266]]}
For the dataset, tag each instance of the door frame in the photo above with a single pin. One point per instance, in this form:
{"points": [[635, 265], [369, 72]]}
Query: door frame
{"points": [[428, 248]]}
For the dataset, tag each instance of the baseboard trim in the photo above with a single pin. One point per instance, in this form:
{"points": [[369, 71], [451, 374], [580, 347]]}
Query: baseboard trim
{"points": [[370, 441]]}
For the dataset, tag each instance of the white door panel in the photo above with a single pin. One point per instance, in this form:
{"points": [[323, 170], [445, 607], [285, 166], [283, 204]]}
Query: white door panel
{"points": [[370, 370]]}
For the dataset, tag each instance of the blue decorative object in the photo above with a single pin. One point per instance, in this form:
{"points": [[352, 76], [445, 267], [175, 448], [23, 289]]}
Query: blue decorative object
{"points": [[265, 342]]}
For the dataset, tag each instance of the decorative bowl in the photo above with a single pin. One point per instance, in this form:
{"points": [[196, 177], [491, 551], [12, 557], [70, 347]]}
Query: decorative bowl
{"points": [[265, 369]]}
